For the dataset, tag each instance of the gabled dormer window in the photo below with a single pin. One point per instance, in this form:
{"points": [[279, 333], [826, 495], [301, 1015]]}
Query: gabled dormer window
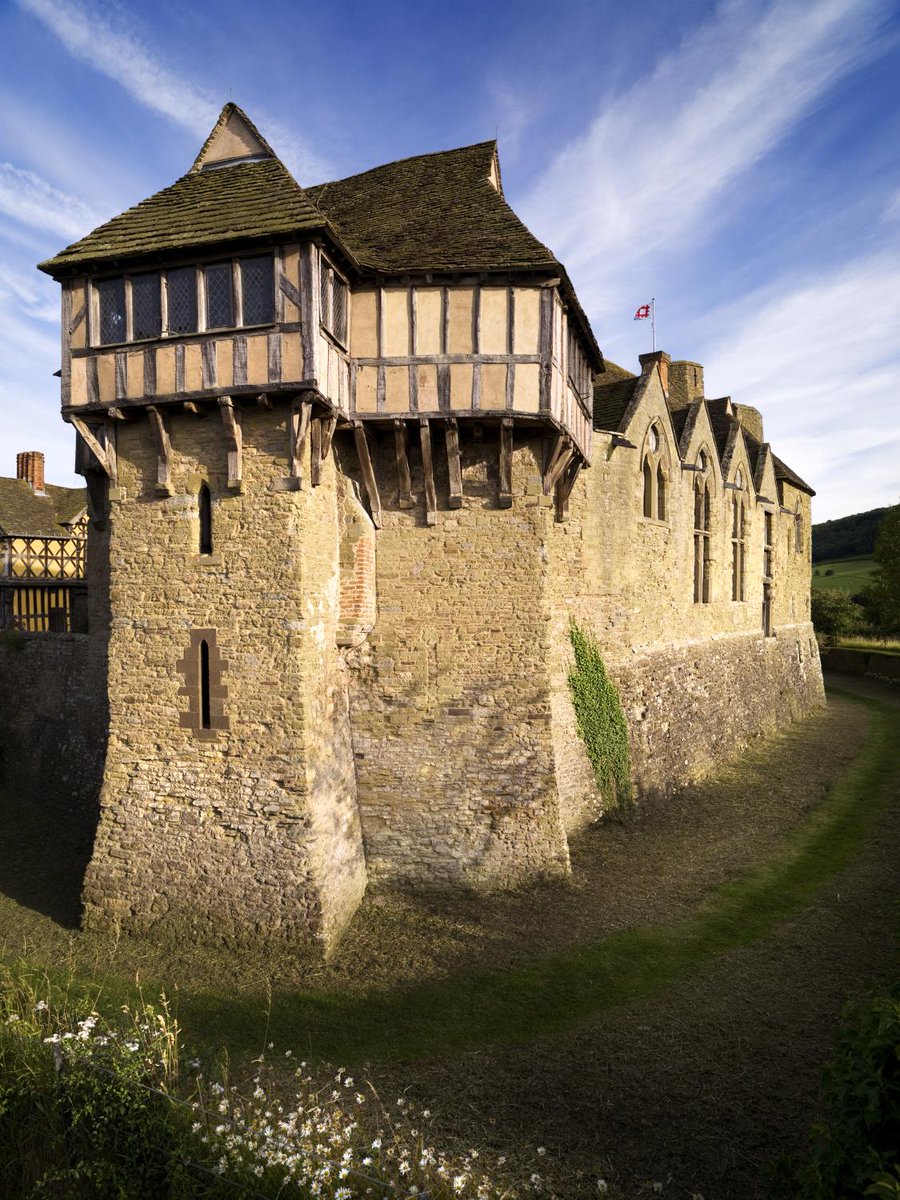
{"points": [[225, 295]]}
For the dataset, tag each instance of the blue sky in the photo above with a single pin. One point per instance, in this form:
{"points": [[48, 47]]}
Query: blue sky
{"points": [[739, 161]]}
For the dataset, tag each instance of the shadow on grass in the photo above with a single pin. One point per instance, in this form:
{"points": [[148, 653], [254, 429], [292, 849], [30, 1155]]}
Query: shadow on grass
{"points": [[518, 1005], [47, 844]]}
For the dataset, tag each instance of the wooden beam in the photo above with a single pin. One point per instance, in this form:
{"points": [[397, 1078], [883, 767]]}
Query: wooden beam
{"points": [[163, 452], [405, 481], [329, 424], [506, 454], [299, 429], [454, 464], [92, 442], [315, 451], [558, 465], [368, 474], [556, 454], [564, 487], [234, 442], [428, 470]]}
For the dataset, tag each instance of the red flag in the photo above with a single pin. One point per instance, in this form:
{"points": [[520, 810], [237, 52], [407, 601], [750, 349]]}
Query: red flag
{"points": [[642, 313]]}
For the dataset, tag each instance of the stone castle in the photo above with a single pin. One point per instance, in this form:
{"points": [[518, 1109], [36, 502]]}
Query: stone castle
{"points": [[355, 463]]}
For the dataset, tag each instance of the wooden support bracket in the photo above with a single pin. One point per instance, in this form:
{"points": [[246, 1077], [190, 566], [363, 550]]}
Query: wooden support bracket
{"points": [[559, 460], [315, 451], [405, 482], [564, 487], [428, 470], [329, 424], [103, 451], [234, 442], [163, 451], [299, 431], [454, 463], [368, 474], [505, 498]]}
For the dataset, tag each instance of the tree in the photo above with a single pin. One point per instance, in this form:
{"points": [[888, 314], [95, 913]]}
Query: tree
{"points": [[835, 615], [883, 593]]}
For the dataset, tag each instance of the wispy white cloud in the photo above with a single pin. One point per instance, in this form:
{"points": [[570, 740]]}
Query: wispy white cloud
{"points": [[654, 168], [120, 52], [821, 360], [32, 201]]}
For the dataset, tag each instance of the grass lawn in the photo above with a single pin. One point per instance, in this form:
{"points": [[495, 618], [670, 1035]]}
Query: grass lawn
{"points": [[662, 1014], [848, 575]]}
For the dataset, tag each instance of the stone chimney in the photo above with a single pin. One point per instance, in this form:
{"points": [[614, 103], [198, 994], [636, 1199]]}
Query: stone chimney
{"points": [[30, 466], [685, 383], [662, 360]]}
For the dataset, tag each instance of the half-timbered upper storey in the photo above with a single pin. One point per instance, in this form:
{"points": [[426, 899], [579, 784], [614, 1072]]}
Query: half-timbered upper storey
{"points": [[411, 290]]}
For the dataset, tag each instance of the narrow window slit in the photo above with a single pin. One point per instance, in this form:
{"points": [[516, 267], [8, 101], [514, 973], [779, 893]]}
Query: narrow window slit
{"points": [[205, 505], [204, 685]]}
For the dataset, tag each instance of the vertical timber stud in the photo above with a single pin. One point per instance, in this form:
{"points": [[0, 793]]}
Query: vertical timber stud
{"points": [[329, 424], [506, 454], [315, 451], [428, 471], [405, 496], [299, 432], [233, 441], [368, 474], [163, 452], [454, 464]]}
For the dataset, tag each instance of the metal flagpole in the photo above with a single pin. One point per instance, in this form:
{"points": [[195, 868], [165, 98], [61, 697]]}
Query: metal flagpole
{"points": [[653, 321]]}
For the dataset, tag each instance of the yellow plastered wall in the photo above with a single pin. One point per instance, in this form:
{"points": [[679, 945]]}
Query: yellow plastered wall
{"points": [[429, 318]]}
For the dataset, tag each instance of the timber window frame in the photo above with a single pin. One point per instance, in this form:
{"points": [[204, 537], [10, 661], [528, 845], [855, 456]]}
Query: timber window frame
{"points": [[334, 302], [113, 309], [578, 369]]}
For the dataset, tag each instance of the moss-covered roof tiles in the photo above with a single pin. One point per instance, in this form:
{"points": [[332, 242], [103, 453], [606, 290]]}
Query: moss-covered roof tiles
{"points": [[784, 474], [22, 512], [611, 402], [247, 200], [434, 212]]}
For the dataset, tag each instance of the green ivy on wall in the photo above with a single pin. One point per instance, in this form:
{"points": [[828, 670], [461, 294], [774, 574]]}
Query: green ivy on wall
{"points": [[601, 722]]}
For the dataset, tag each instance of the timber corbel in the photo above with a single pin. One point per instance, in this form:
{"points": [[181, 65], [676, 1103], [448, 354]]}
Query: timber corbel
{"points": [[368, 474], [299, 432], [104, 452], [405, 482], [315, 451], [428, 471], [562, 455], [234, 442], [163, 451], [564, 487], [454, 464], [505, 497]]}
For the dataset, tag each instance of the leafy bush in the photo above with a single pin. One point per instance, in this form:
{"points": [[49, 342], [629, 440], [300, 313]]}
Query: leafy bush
{"points": [[601, 722], [855, 1150], [835, 615]]}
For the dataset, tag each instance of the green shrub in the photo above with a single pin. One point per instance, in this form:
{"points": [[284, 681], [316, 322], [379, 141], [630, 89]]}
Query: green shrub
{"points": [[835, 615], [601, 722], [855, 1149]]}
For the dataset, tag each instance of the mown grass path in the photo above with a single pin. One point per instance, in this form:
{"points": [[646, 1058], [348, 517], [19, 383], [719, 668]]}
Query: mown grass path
{"points": [[557, 991]]}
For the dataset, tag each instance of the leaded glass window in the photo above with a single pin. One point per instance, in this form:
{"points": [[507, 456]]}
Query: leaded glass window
{"points": [[258, 290], [146, 314], [182, 297], [219, 297], [111, 306], [339, 309]]}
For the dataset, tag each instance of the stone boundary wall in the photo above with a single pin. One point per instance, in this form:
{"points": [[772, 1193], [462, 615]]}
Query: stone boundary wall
{"points": [[53, 719], [862, 662]]}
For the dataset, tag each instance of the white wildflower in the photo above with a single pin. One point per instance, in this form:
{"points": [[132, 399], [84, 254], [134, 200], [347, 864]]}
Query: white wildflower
{"points": [[602, 1187], [41, 1006], [542, 1150], [459, 1183]]}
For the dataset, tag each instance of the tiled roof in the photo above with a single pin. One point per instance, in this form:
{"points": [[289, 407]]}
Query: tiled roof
{"points": [[248, 200], [22, 512], [611, 402], [721, 423], [433, 212], [783, 473]]}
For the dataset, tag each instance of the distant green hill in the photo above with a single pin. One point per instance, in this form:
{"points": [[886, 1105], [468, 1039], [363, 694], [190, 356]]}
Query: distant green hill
{"points": [[848, 575], [847, 537]]}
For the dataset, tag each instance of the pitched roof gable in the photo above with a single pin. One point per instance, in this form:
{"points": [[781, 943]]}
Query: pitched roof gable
{"points": [[233, 138], [784, 474]]}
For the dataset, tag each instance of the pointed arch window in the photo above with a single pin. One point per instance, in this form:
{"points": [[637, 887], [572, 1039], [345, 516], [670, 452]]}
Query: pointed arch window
{"points": [[702, 540], [654, 476], [739, 541]]}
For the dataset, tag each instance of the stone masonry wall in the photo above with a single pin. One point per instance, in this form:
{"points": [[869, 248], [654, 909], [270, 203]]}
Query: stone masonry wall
{"points": [[249, 828], [53, 718], [450, 709]]}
